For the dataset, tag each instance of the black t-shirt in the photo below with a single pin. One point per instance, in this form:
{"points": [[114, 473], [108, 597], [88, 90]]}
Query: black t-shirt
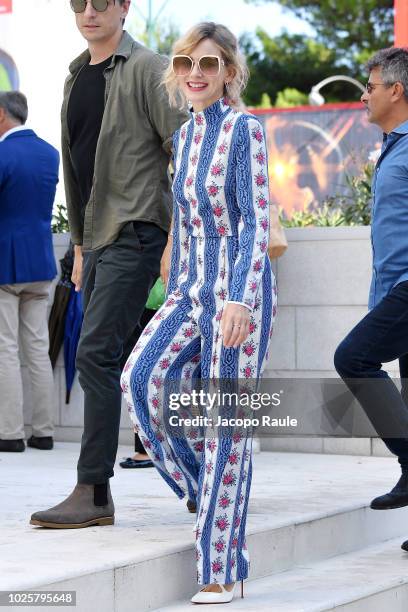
{"points": [[84, 115]]}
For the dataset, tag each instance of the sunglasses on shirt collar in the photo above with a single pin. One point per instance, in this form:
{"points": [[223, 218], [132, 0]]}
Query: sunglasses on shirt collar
{"points": [[79, 6]]}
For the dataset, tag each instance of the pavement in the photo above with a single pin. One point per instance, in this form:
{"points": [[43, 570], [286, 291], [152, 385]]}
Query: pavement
{"points": [[152, 524]]}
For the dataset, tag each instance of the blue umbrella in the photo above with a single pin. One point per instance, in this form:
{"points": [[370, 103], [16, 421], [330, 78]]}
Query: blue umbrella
{"points": [[73, 324]]}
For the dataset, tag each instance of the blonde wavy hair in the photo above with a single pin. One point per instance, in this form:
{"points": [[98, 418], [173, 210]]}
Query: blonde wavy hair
{"points": [[230, 53]]}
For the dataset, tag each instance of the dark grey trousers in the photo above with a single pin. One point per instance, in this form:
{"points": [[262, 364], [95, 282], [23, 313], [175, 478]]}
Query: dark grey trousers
{"points": [[116, 283]]}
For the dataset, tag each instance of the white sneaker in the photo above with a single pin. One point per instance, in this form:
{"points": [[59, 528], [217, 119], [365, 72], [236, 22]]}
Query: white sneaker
{"points": [[212, 597]]}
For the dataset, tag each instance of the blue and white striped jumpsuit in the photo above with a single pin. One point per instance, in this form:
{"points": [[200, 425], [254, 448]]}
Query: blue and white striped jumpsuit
{"points": [[221, 216]]}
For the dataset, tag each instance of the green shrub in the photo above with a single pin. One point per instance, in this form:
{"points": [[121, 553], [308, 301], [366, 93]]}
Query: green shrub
{"points": [[59, 223], [265, 102], [290, 97], [334, 211], [321, 217], [351, 209], [356, 207]]}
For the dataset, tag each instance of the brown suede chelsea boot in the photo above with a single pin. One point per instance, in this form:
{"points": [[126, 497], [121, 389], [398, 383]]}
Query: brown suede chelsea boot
{"points": [[86, 506]]}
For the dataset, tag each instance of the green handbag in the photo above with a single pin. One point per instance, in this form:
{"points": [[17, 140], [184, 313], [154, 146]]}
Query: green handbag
{"points": [[157, 295]]}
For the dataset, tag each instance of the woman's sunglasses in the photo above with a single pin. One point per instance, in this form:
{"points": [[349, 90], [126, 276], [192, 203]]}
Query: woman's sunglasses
{"points": [[79, 6], [208, 65]]}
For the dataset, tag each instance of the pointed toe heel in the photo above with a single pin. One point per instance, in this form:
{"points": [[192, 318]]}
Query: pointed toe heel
{"points": [[212, 597]]}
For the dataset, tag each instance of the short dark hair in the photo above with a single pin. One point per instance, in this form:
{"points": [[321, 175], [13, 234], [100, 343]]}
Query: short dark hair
{"points": [[394, 66], [122, 2], [15, 105]]}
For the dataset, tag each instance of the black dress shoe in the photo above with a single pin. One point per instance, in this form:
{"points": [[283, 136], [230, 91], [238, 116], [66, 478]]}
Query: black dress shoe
{"points": [[396, 498], [130, 463], [191, 506], [45, 443], [404, 545], [12, 446]]}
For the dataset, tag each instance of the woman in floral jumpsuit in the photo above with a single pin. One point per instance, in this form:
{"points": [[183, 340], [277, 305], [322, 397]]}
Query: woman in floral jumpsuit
{"points": [[216, 322]]}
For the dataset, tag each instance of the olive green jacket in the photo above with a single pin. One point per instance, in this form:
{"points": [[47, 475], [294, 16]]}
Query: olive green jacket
{"points": [[131, 178]]}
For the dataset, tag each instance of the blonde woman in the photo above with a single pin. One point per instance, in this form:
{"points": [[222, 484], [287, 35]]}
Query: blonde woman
{"points": [[217, 320]]}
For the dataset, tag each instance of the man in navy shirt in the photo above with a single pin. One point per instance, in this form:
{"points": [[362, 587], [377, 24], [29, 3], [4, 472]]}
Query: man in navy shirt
{"points": [[382, 335], [28, 179]]}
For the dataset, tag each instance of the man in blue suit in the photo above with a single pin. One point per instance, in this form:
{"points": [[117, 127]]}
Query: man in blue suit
{"points": [[28, 179]]}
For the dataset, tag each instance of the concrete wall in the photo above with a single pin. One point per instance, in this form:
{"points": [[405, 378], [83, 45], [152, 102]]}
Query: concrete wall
{"points": [[323, 282]]}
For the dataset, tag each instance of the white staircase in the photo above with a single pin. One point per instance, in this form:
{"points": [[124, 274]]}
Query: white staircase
{"points": [[314, 543]]}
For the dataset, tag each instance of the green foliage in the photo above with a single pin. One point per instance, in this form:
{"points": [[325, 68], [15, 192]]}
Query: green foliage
{"points": [[290, 97], [321, 217], [164, 35], [325, 217], [266, 101], [352, 29], [356, 207], [5, 84], [293, 61], [351, 25], [351, 209], [299, 218], [59, 223], [338, 210]]}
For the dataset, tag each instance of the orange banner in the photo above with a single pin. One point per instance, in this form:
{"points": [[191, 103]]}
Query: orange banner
{"points": [[6, 6], [401, 23]]}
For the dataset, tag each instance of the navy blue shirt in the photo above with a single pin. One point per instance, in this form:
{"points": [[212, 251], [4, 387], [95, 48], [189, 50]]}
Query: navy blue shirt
{"points": [[389, 224]]}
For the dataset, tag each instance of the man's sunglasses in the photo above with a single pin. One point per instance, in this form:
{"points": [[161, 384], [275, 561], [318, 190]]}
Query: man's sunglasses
{"points": [[79, 6], [371, 86], [208, 65]]}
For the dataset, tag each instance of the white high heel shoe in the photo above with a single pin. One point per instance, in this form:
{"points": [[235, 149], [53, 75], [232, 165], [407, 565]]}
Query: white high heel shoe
{"points": [[212, 597]]}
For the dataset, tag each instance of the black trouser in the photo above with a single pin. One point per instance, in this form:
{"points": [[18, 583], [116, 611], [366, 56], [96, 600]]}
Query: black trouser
{"points": [[130, 343], [380, 337], [116, 283]]}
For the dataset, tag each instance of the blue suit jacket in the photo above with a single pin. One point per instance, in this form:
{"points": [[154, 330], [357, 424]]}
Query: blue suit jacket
{"points": [[28, 180]]}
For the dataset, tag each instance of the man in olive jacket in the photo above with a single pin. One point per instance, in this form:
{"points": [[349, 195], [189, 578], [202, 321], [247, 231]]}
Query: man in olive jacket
{"points": [[117, 131]]}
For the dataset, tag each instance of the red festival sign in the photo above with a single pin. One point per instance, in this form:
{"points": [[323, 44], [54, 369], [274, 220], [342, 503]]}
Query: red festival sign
{"points": [[400, 23], [313, 150], [6, 6]]}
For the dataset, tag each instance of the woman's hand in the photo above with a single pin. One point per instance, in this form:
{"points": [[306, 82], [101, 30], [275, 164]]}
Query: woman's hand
{"points": [[165, 261], [76, 276], [235, 325]]}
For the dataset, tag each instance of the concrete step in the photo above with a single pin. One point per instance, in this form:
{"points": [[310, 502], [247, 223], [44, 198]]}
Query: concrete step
{"points": [[303, 509], [371, 580]]}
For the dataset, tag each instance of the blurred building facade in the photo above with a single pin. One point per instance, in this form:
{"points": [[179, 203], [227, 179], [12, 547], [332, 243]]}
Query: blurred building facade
{"points": [[38, 39]]}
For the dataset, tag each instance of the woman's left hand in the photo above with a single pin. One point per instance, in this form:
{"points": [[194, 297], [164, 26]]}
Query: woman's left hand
{"points": [[235, 325], [166, 261]]}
